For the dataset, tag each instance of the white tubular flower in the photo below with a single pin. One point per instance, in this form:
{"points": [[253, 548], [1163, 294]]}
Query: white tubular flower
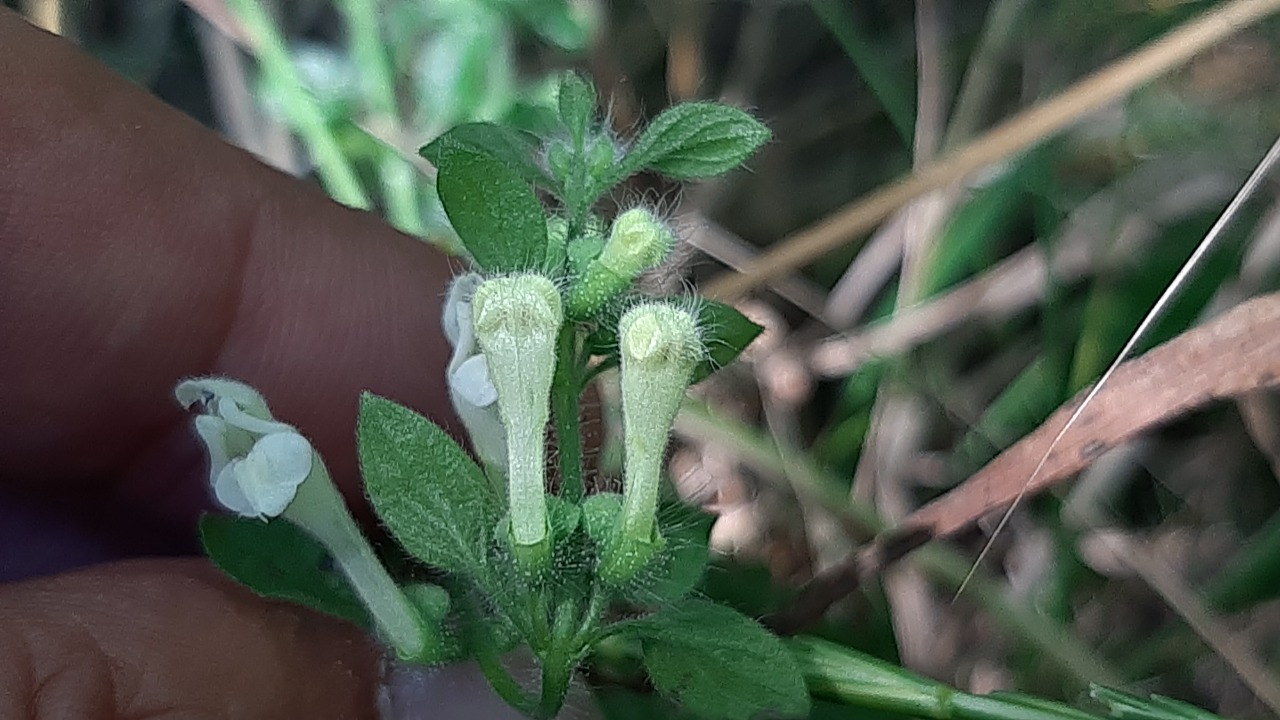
{"points": [[659, 346], [255, 462], [471, 390], [263, 468], [517, 320]]}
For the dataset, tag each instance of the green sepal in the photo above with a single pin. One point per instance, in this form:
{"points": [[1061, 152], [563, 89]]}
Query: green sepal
{"points": [[599, 513], [564, 517], [433, 605], [686, 556], [277, 559], [431, 600], [557, 245], [583, 249], [626, 560], [638, 241], [425, 487]]}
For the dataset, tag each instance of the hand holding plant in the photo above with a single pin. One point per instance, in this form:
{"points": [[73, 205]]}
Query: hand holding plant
{"points": [[526, 559]]}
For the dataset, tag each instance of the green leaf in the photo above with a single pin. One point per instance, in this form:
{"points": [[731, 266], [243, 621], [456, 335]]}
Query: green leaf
{"points": [[427, 490], [499, 142], [494, 211], [563, 517], [726, 333], [577, 105], [685, 558], [583, 249], [696, 140], [720, 664], [277, 559]]}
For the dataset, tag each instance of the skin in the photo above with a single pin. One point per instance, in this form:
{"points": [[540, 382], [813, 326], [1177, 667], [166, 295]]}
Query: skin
{"points": [[137, 249]]}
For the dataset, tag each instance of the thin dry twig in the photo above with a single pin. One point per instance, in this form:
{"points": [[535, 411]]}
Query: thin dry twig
{"points": [[981, 76], [1005, 140], [898, 420], [719, 243], [1179, 188]]}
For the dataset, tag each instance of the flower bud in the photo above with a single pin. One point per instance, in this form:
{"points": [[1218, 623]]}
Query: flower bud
{"points": [[637, 242], [517, 320]]}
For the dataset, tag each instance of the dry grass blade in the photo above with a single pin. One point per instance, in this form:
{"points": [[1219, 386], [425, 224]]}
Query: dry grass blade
{"points": [[1005, 140], [1235, 354]]}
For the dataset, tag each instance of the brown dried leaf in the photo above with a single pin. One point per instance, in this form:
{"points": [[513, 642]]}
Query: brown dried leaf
{"points": [[1235, 354]]}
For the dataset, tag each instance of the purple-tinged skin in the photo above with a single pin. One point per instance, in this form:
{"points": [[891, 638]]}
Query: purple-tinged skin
{"points": [[137, 249]]}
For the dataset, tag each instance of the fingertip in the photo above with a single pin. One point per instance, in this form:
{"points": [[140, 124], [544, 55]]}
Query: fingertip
{"points": [[174, 638], [140, 249]]}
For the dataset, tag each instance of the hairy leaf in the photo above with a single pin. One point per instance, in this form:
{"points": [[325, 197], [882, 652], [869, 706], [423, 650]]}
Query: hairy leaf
{"points": [[577, 103], [499, 142], [277, 559], [720, 664], [697, 140], [493, 210], [425, 487]]}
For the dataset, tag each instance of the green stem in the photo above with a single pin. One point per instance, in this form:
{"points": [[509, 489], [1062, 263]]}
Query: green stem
{"points": [[566, 389], [400, 193], [502, 682], [557, 671], [588, 628], [859, 680], [302, 111]]}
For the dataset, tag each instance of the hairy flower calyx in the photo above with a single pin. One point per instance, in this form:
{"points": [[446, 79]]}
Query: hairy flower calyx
{"points": [[659, 346], [637, 242], [517, 320]]}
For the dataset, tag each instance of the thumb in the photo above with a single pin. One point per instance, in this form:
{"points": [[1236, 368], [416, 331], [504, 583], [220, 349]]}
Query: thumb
{"points": [[172, 638], [175, 638]]}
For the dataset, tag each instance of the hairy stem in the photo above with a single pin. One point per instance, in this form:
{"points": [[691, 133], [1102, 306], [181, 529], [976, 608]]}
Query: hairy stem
{"points": [[565, 391], [557, 671]]}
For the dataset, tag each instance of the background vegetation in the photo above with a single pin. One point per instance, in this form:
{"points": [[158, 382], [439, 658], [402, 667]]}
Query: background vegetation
{"points": [[938, 329]]}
